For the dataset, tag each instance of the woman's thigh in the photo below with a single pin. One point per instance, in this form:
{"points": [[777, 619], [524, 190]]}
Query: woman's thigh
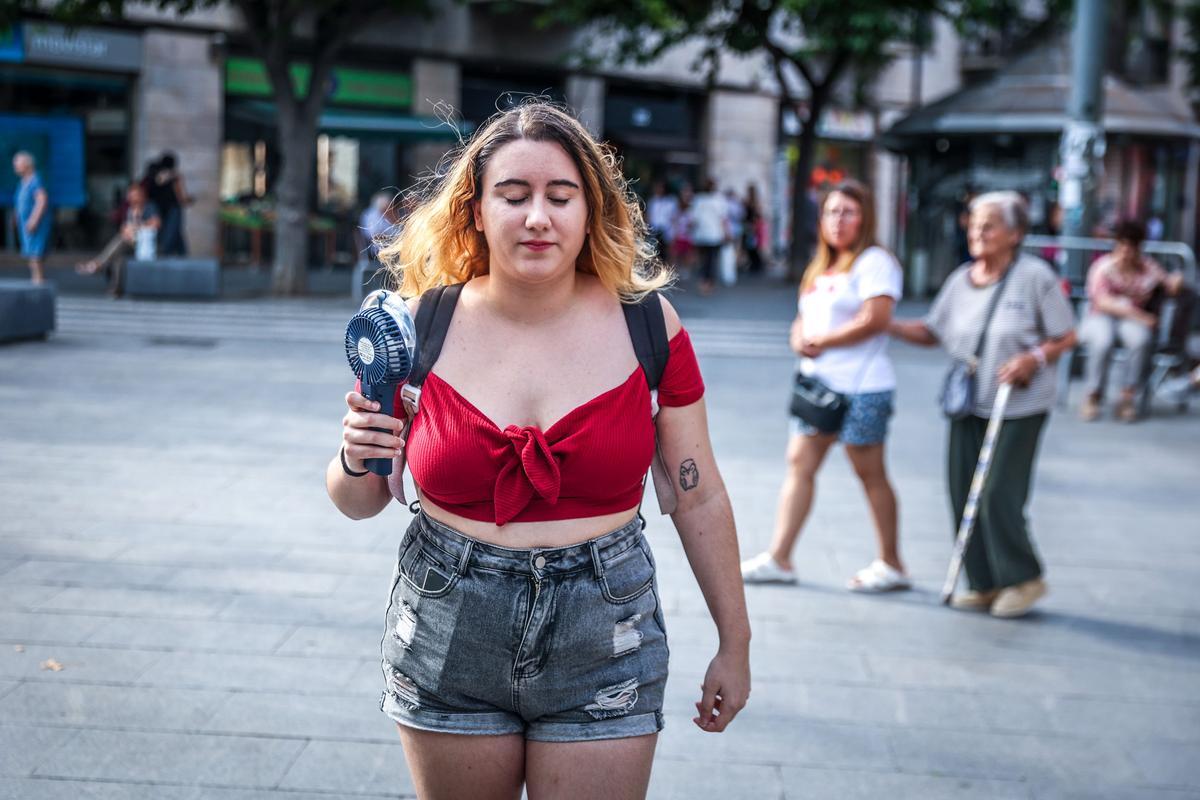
{"points": [[607, 769], [807, 449], [447, 766], [867, 461]]}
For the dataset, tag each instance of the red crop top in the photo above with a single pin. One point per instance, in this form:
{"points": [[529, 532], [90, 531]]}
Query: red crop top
{"points": [[590, 462]]}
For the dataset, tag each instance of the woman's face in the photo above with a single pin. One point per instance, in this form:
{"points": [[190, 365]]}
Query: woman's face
{"points": [[1126, 252], [532, 211], [841, 221], [988, 236]]}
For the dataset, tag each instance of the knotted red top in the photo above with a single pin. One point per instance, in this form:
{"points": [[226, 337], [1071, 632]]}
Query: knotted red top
{"points": [[590, 462]]}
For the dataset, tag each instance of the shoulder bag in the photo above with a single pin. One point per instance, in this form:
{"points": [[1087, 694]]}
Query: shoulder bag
{"points": [[957, 398]]}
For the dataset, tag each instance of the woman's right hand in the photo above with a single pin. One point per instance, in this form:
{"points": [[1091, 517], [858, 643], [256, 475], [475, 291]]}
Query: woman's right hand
{"points": [[796, 338], [361, 441]]}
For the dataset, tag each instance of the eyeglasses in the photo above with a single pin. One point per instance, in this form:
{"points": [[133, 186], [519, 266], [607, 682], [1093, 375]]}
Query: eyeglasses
{"points": [[841, 213]]}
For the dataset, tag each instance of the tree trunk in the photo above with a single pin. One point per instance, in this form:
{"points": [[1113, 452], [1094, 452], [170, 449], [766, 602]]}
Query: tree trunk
{"points": [[297, 142], [803, 211]]}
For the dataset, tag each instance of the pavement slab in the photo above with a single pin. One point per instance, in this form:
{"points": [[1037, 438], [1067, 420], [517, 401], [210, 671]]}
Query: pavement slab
{"points": [[207, 608]]}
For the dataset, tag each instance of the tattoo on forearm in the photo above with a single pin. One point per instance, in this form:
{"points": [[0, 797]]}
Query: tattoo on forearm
{"points": [[689, 475]]}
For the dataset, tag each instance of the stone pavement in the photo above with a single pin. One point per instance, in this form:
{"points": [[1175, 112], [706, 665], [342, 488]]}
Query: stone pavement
{"points": [[184, 615]]}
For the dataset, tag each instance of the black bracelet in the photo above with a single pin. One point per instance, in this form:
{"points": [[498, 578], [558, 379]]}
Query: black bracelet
{"points": [[346, 467]]}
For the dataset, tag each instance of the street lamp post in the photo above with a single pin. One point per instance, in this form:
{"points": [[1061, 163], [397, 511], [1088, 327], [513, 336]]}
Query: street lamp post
{"points": [[1082, 148]]}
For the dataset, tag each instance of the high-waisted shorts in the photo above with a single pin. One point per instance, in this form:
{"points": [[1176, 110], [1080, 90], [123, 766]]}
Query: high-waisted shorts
{"points": [[557, 644], [866, 420]]}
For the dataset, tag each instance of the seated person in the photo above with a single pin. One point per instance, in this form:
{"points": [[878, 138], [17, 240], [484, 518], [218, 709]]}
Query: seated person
{"points": [[140, 214], [1120, 286]]}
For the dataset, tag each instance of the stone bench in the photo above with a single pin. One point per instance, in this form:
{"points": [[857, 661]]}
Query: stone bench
{"points": [[26, 310], [173, 277]]}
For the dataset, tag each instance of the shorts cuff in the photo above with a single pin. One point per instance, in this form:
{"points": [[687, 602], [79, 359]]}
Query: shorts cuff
{"points": [[485, 723], [615, 728]]}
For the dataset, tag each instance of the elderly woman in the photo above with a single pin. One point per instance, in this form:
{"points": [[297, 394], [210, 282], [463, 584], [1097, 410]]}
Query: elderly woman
{"points": [[1029, 328], [1120, 286]]}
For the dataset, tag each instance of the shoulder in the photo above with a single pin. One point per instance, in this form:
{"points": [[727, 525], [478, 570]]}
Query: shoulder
{"points": [[674, 323], [875, 257], [954, 285], [1035, 270]]}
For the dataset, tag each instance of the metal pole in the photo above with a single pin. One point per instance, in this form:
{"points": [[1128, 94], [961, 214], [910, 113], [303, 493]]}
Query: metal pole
{"points": [[1082, 150]]}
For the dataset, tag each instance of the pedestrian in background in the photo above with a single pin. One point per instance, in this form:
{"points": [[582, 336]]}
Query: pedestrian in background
{"points": [[754, 232], [710, 230], [167, 192], [1120, 287], [661, 210], [847, 297], [1029, 328], [31, 202], [141, 219], [683, 253]]}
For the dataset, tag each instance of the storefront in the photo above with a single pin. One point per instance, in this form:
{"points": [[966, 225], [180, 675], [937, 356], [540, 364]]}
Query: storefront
{"points": [[844, 149], [487, 90], [67, 98], [1004, 133], [657, 134], [363, 146]]}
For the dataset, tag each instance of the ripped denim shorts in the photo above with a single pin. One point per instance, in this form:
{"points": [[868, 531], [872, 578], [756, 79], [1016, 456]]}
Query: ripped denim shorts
{"points": [[560, 644]]}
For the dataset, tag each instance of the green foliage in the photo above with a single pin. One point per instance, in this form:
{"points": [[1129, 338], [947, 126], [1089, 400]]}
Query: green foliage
{"points": [[821, 39]]}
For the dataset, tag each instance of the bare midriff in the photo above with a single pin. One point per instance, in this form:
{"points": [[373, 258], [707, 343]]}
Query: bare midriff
{"points": [[527, 535]]}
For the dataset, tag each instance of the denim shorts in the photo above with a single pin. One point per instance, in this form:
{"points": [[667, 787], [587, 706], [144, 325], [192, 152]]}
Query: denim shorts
{"points": [[866, 420], [559, 644]]}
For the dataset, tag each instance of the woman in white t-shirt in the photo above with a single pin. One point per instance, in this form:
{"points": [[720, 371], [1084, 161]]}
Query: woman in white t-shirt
{"points": [[846, 301]]}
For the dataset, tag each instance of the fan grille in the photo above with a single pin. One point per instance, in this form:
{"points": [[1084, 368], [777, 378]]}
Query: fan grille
{"points": [[375, 347]]}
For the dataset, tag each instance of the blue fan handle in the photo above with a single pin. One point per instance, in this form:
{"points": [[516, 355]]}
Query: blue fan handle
{"points": [[385, 395]]}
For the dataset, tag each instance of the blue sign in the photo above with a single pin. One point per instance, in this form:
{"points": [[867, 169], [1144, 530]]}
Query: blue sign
{"points": [[56, 143], [12, 45]]}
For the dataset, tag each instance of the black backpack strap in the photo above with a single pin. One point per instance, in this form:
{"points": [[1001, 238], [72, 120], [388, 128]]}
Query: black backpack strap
{"points": [[648, 330], [433, 321], [434, 313]]}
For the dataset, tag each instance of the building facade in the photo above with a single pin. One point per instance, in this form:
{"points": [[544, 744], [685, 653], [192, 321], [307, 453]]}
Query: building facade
{"points": [[100, 102]]}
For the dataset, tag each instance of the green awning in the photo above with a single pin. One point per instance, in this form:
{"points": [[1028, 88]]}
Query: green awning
{"points": [[407, 127]]}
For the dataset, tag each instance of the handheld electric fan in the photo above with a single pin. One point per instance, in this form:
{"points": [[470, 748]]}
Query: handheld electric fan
{"points": [[381, 346]]}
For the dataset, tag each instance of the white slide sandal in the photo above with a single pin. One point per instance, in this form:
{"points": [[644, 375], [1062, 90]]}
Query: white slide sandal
{"points": [[878, 577]]}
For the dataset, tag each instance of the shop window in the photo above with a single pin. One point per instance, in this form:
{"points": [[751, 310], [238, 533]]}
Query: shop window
{"points": [[337, 172]]}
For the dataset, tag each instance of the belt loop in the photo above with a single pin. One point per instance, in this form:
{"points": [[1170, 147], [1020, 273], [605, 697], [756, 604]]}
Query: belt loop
{"points": [[465, 558], [597, 564]]}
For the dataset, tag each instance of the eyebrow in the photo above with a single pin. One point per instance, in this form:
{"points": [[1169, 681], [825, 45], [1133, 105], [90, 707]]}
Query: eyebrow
{"points": [[526, 184]]}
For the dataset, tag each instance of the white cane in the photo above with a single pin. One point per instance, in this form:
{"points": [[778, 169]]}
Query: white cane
{"points": [[966, 525]]}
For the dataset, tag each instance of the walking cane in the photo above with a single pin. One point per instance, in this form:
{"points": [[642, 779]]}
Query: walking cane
{"points": [[966, 525]]}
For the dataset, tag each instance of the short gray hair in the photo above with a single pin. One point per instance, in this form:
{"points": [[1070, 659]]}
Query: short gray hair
{"points": [[1012, 206], [27, 155]]}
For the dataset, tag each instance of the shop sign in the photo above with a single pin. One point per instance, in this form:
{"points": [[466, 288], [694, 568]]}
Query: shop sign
{"points": [[248, 76], [10, 44], [857, 126], [97, 48]]}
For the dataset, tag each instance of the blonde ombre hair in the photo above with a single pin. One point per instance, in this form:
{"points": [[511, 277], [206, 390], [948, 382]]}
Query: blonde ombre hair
{"points": [[826, 257], [439, 243]]}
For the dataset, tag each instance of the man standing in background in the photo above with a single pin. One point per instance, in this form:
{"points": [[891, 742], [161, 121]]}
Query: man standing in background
{"points": [[32, 206]]}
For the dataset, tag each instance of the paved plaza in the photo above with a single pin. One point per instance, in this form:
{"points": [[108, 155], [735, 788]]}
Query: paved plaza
{"points": [[185, 616]]}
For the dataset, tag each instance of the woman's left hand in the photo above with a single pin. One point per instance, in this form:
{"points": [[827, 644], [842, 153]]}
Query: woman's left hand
{"points": [[1019, 370], [726, 689], [812, 348]]}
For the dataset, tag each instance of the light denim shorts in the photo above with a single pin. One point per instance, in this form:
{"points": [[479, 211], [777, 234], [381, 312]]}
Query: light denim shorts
{"points": [[865, 423], [561, 644]]}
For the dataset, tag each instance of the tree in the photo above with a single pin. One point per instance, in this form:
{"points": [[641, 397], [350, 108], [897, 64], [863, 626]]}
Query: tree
{"points": [[821, 46], [275, 30]]}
